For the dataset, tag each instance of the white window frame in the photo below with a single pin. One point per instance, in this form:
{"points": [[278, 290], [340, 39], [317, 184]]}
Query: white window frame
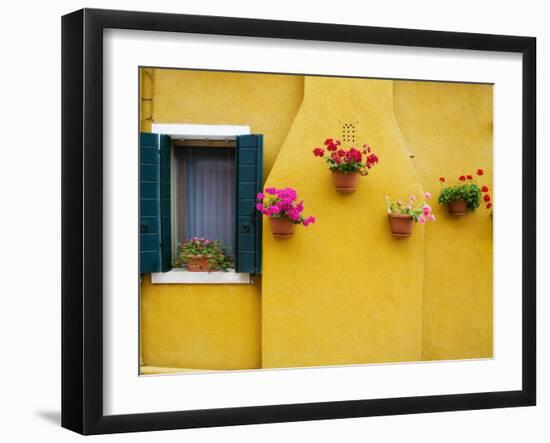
{"points": [[199, 132]]}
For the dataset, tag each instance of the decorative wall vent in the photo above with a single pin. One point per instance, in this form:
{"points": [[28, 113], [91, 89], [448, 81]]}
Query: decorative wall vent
{"points": [[348, 132]]}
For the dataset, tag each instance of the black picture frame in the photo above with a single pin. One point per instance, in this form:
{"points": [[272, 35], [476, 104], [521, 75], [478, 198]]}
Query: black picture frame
{"points": [[82, 239]]}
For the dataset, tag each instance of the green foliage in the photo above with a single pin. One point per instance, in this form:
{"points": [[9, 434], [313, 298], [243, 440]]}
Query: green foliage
{"points": [[215, 251], [469, 192], [349, 167]]}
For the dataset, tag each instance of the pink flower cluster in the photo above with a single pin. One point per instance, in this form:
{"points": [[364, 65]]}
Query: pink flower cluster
{"points": [[200, 240], [426, 210], [426, 214], [420, 211], [351, 160], [275, 202]]}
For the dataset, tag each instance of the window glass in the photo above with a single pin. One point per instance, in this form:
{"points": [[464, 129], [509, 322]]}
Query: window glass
{"points": [[205, 194]]}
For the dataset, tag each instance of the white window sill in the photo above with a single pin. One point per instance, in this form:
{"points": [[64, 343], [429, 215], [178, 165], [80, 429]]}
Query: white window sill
{"points": [[179, 276]]}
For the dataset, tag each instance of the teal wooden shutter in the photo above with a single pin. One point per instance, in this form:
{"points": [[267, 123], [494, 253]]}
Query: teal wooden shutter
{"points": [[149, 203], [249, 160], [154, 203], [165, 204]]}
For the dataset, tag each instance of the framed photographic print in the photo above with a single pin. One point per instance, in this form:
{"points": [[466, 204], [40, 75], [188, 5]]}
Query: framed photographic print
{"points": [[269, 221]]}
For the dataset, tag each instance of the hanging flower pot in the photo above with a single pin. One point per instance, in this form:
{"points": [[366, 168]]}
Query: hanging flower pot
{"points": [[465, 195], [198, 264], [283, 211], [346, 165], [345, 182], [402, 214], [281, 227], [401, 225], [458, 207]]}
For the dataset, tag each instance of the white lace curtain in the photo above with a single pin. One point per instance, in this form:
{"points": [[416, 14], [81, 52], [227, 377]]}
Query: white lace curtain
{"points": [[209, 193]]}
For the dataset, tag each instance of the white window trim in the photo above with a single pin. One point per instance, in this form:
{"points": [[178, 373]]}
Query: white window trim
{"points": [[183, 276], [200, 132]]}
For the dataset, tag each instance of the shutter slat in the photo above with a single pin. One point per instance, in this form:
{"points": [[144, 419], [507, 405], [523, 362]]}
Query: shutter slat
{"points": [[249, 159], [165, 203]]}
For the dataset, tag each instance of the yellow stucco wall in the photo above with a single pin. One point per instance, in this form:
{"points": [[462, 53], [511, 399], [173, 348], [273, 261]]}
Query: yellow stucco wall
{"points": [[218, 326], [342, 291], [449, 128], [201, 326], [266, 103]]}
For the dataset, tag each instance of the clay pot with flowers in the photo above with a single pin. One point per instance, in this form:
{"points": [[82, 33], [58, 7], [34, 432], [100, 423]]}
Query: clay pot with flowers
{"points": [[283, 209], [465, 195], [202, 255], [404, 213], [346, 165]]}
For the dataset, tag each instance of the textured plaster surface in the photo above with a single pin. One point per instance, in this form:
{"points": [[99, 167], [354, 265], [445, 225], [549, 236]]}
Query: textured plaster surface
{"points": [[218, 326], [449, 127], [201, 326], [342, 291]]}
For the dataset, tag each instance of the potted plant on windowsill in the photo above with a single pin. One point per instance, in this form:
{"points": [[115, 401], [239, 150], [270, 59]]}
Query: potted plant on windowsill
{"points": [[203, 255], [283, 211], [346, 165], [402, 215], [465, 195]]}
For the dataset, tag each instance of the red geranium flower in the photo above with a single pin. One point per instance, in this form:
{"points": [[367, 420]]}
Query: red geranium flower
{"points": [[335, 158], [479, 172], [354, 159], [331, 144], [487, 198], [489, 205], [371, 160], [318, 152], [484, 189], [462, 178], [469, 177], [442, 179]]}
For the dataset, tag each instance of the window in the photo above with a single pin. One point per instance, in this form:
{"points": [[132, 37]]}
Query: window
{"points": [[204, 190], [198, 187]]}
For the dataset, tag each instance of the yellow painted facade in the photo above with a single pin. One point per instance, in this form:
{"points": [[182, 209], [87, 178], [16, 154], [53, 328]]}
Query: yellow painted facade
{"points": [[201, 326], [222, 329], [449, 128], [343, 290]]}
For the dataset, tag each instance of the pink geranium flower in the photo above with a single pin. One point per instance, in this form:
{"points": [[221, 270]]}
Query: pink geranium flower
{"points": [[419, 211], [282, 203]]}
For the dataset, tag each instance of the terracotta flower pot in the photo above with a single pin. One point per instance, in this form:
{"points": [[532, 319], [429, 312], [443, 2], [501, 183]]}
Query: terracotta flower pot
{"points": [[281, 227], [458, 207], [401, 225], [345, 182], [198, 264]]}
